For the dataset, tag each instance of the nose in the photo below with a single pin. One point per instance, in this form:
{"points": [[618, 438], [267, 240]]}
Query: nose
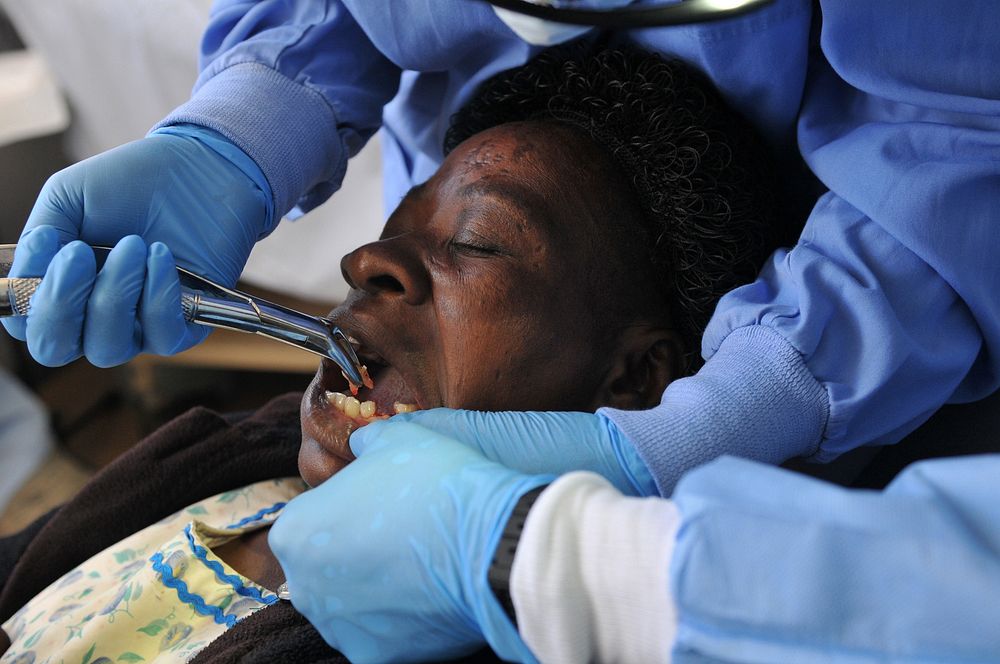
{"points": [[388, 267]]}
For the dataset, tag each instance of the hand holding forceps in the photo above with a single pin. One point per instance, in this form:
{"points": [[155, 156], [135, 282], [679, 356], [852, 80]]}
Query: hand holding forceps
{"points": [[208, 303]]}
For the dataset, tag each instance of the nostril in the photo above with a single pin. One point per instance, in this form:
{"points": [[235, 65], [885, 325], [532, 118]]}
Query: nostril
{"points": [[392, 267], [384, 282]]}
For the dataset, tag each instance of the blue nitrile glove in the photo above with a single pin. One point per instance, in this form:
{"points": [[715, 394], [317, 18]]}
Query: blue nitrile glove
{"points": [[544, 442], [388, 558], [185, 186]]}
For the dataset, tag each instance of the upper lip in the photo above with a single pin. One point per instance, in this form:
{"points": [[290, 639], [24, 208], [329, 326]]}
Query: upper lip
{"points": [[361, 339], [356, 331]]}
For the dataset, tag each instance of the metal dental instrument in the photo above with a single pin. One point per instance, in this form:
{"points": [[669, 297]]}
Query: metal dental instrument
{"points": [[208, 303]]}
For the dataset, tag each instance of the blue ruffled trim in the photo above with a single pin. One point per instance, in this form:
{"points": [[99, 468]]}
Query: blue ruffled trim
{"points": [[201, 553], [197, 602], [259, 515]]}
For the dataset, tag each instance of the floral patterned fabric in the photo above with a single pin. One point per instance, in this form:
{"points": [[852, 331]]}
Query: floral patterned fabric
{"points": [[159, 595]]}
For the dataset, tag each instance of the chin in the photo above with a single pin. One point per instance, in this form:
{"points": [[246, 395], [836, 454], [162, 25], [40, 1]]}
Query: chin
{"points": [[316, 465]]}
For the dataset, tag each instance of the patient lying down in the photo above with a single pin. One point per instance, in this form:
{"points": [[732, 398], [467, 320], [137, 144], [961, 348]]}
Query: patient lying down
{"points": [[566, 256]]}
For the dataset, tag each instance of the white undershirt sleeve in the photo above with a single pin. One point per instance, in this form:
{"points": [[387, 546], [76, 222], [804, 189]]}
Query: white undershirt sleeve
{"points": [[590, 581]]}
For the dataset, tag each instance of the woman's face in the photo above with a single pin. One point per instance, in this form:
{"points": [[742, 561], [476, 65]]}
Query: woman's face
{"points": [[484, 292]]}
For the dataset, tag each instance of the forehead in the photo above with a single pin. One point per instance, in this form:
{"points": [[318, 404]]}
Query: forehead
{"points": [[540, 169], [516, 148]]}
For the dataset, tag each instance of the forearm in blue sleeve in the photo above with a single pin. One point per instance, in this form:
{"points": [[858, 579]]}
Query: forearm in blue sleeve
{"points": [[888, 301], [754, 398], [773, 566], [890, 296], [850, 338], [296, 85], [885, 334]]}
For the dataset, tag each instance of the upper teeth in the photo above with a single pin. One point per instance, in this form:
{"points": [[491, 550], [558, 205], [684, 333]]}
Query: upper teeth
{"points": [[363, 410]]}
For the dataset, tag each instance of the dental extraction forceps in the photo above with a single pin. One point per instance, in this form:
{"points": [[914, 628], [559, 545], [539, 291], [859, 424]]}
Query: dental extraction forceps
{"points": [[208, 303]]}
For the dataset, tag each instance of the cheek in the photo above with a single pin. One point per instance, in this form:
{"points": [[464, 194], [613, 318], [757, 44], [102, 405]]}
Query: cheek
{"points": [[482, 330], [511, 347], [554, 348]]}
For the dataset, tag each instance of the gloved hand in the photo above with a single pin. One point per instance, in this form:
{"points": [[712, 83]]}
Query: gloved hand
{"points": [[544, 442], [388, 558], [184, 186]]}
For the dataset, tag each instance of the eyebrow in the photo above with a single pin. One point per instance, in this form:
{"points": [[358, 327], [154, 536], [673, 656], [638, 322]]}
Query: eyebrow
{"points": [[527, 202]]}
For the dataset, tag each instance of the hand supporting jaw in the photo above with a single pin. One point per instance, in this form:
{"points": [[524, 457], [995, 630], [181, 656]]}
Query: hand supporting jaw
{"points": [[545, 442], [404, 552]]}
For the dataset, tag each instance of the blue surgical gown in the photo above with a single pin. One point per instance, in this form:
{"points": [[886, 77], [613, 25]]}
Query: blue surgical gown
{"points": [[886, 309], [771, 566]]}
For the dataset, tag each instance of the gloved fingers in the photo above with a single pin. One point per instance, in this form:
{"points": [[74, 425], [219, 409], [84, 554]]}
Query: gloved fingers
{"points": [[59, 205], [387, 558], [545, 442], [378, 435], [520, 440], [406, 442], [111, 332], [35, 251], [164, 330], [55, 320]]}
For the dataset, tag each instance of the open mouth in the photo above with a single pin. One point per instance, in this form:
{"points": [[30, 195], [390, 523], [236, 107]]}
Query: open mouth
{"points": [[331, 413], [383, 395]]}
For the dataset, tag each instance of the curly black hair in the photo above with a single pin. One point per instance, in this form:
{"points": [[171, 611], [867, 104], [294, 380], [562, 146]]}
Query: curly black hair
{"points": [[702, 177]]}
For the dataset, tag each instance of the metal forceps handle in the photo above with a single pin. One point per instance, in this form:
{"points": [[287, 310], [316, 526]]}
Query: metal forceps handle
{"points": [[207, 303]]}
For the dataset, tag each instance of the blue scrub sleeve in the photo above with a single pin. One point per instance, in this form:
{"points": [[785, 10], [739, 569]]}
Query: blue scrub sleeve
{"points": [[770, 566], [890, 295], [888, 301], [756, 398], [296, 85]]}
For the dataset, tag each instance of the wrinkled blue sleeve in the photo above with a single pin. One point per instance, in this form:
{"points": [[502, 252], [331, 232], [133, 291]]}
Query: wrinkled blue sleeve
{"points": [[886, 309], [297, 85], [770, 566]]}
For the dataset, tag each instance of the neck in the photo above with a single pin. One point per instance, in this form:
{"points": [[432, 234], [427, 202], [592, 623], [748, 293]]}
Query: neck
{"points": [[251, 556]]}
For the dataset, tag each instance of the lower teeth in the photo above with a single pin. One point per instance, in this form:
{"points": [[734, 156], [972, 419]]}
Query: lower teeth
{"points": [[352, 407], [363, 410], [367, 409]]}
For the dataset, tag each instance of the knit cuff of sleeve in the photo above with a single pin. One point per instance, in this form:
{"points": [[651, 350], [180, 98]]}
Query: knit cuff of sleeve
{"points": [[590, 579], [755, 398], [286, 128]]}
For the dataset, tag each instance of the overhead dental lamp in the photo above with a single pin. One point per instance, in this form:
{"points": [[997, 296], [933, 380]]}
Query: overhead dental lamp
{"points": [[645, 15]]}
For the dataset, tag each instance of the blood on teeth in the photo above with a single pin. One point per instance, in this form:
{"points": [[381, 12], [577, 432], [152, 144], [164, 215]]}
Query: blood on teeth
{"points": [[366, 380]]}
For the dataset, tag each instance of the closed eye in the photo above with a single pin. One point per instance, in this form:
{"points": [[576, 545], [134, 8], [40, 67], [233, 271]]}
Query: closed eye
{"points": [[475, 249]]}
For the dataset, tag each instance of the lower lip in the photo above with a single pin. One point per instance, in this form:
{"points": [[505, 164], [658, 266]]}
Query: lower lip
{"points": [[330, 426], [324, 424]]}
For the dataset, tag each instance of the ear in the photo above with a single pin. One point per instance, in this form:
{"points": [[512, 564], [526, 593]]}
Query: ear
{"points": [[647, 359]]}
